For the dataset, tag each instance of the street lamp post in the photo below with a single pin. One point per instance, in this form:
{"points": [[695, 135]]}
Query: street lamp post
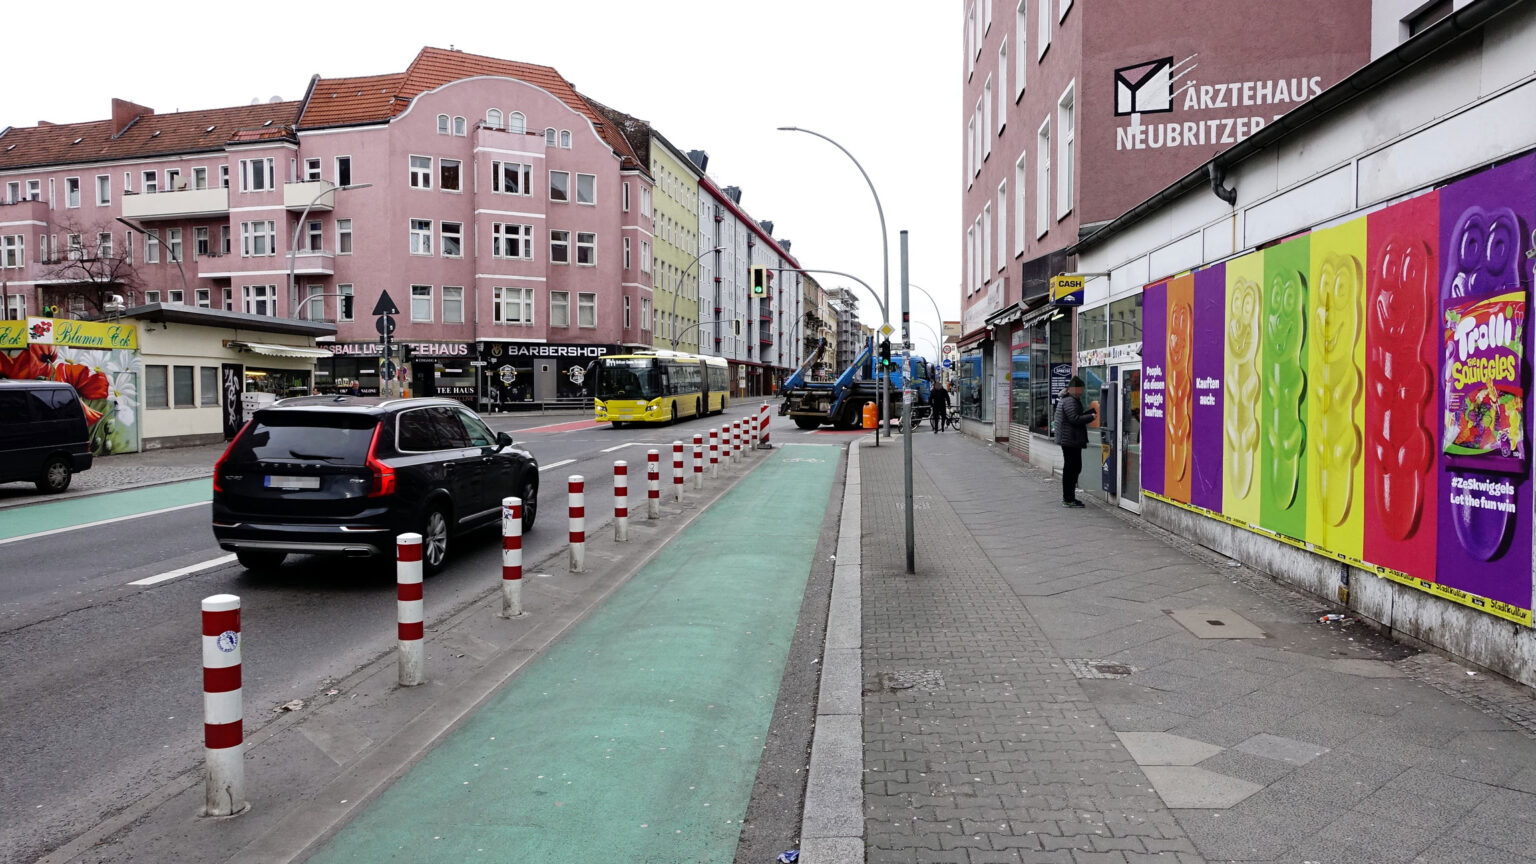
{"points": [[930, 300], [885, 248], [177, 258], [679, 284], [293, 248]]}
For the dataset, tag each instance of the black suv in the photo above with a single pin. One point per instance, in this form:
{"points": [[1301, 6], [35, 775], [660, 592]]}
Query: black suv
{"points": [[345, 474]]}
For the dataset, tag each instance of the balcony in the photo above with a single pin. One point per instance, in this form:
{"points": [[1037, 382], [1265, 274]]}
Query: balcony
{"points": [[312, 262], [765, 337], [178, 204], [316, 195]]}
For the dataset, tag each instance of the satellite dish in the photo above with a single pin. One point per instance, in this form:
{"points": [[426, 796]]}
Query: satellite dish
{"points": [[274, 100], [255, 100]]}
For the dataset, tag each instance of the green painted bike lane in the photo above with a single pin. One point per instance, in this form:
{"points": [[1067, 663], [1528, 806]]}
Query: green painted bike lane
{"points": [[49, 515], [637, 736]]}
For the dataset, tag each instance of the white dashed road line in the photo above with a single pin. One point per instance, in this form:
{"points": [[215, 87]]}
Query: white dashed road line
{"points": [[184, 571]]}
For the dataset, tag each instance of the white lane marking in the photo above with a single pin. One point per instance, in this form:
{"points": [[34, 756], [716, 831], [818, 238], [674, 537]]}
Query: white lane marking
{"points": [[184, 571], [543, 468], [621, 446], [53, 531]]}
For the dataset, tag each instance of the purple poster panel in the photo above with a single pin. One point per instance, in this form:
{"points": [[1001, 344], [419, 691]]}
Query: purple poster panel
{"points": [[1209, 364], [1484, 490], [1154, 351]]}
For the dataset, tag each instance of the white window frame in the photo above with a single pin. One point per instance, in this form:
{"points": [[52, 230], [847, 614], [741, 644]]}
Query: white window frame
{"points": [[559, 239], [421, 300], [103, 190], [508, 298], [16, 307], [442, 178], [549, 137], [343, 236], [645, 256], [173, 246], [444, 234], [517, 123], [567, 191], [460, 126], [152, 246], [1043, 34], [1066, 121], [970, 40], [420, 175], [1002, 86], [645, 200], [1065, 5], [590, 181], [453, 304], [986, 119], [253, 296], [204, 298], [311, 169], [314, 236], [510, 237], [559, 308], [586, 309], [202, 242], [970, 260], [103, 244], [13, 192], [970, 152], [313, 304], [493, 118], [71, 192], [253, 235], [565, 139], [443, 127], [626, 196], [627, 261], [1002, 226], [1043, 179], [586, 241], [252, 172], [421, 237], [13, 251], [520, 173], [986, 241], [627, 319], [34, 190], [343, 167], [200, 177]]}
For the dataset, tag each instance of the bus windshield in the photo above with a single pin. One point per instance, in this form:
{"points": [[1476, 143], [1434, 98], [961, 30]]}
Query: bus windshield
{"points": [[627, 379]]}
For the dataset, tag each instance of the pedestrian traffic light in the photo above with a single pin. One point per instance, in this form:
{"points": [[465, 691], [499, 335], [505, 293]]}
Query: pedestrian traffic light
{"points": [[346, 305], [760, 281], [885, 352]]}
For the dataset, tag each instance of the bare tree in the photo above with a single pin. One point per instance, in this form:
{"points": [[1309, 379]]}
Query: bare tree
{"points": [[88, 266]]}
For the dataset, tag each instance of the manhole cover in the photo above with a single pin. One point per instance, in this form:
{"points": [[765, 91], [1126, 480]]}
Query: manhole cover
{"points": [[1099, 669], [909, 679]]}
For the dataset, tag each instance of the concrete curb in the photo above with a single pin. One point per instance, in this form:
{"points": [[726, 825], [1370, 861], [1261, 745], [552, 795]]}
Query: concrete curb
{"points": [[832, 825]]}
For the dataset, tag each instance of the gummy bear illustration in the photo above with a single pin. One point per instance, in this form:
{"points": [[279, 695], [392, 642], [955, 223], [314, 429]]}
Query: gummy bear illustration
{"points": [[1180, 388], [1397, 326], [1245, 302], [1285, 384], [1486, 248], [1336, 327]]}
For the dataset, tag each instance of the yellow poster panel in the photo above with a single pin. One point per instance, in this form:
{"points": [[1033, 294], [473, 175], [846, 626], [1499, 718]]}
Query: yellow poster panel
{"points": [[13, 335], [1241, 478], [1336, 390]]}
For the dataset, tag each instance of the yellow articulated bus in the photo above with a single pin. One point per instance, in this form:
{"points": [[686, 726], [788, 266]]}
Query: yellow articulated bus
{"points": [[659, 387]]}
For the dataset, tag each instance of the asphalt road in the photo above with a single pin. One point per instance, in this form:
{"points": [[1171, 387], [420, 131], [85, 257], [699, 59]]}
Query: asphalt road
{"points": [[102, 696]]}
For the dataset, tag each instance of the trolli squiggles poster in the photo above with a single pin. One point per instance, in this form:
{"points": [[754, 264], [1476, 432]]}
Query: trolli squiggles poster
{"points": [[1360, 391]]}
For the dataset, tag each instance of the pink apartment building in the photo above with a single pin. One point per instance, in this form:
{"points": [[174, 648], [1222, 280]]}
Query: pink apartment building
{"points": [[509, 223], [1076, 112]]}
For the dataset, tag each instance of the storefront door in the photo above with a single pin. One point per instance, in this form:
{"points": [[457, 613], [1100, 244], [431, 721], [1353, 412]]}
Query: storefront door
{"points": [[1128, 449]]}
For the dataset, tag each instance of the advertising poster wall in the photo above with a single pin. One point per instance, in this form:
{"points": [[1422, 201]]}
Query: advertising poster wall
{"points": [[1179, 388], [1372, 382]]}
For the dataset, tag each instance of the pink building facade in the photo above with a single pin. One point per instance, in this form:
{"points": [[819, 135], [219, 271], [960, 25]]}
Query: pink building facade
{"points": [[506, 222]]}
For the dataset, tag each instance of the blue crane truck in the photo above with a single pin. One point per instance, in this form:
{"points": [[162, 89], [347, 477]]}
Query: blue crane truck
{"points": [[840, 403]]}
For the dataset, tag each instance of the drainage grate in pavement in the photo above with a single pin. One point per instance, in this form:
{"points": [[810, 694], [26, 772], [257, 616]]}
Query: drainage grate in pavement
{"points": [[908, 679], [1099, 669], [1215, 623]]}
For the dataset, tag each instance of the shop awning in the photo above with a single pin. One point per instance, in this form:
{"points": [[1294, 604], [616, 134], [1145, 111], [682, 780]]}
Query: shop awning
{"points": [[281, 350]]}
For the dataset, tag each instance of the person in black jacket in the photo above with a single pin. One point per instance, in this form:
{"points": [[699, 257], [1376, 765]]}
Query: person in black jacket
{"points": [[939, 403], [1072, 422]]}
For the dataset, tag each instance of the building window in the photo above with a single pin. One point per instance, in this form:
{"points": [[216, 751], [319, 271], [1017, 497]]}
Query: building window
{"points": [[645, 201], [314, 304], [208, 395], [104, 244], [626, 312], [343, 236], [645, 257], [13, 251], [559, 308], [152, 246], [260, 299], [421, 302], [511, 305], [452, 236], [442, 124], [517, 123], [421, 236], [200, 178], [223, 240], [16, 307], [626, 253], [1002, 87], [157, 386], [453, 305], [151, 296], [448, 174], [314, 236], [1043, 37], [1043, 179], [223, 176], [1065, 5], [549, 137], [173, 180], [1002, 226], [1064, 153], [645, 314], [173, 243], [511, 241], [986, 119], [986, 242], [559, 247], [565, 139], [586, 310], [559, 186], [586, 248], [256, 239], [421, 172], [511, 178], [586, 188], [71, 191], [229, 299], [103, 190], [343, 170], [311, 170], [626, 196], [970, 260], [459, 126], [13, 192], [256, 175], [34, 190], [181, 389], [493, 118], [200, 247], [204, 297]]}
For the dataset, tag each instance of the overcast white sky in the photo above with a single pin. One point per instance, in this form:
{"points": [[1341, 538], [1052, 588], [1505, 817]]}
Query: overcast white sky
{"points": [[718, 75]]}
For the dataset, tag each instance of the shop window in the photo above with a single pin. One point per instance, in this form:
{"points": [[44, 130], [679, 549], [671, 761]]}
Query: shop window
{"points": [[156, 387], [209, 385], [1125, 320]]}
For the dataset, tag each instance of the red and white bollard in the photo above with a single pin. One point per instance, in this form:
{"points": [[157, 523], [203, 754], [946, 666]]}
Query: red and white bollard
{"points": [[751, 434], [410, 611], [698, 462], [576, 484], [621, 501], [725, 443], [653, 484], [714, 454], [511, 557], [223, 707], [762, 427], [736, 440], [677, 471]]}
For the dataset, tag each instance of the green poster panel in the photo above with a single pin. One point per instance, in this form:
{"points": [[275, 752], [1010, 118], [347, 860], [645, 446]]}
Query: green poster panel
{"points": [[1283, 389]]}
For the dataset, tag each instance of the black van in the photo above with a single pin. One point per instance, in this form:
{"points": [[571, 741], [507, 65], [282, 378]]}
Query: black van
{"points": [[43, 435]]}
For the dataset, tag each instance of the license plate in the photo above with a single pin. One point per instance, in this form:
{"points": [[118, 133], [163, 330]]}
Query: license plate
{"points": [[280, 481]]}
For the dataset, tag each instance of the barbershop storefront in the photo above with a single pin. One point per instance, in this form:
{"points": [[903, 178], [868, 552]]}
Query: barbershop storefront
{"points": [[522, 375]]}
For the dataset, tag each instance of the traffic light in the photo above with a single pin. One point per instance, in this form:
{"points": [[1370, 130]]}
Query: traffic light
{"points": [[346, 305], [760, 279], [885, 352]]}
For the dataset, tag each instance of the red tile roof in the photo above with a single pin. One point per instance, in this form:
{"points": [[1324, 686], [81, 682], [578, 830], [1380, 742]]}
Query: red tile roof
{"points": [[149, 135]]}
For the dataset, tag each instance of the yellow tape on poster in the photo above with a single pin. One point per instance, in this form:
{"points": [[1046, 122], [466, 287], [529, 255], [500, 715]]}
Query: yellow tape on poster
{"points": [[103, 335], [1474, 601]]}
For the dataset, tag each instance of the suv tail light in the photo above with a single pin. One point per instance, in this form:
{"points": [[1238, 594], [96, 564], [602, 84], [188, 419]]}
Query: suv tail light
{"points": [[218, 467], [383, 475]]}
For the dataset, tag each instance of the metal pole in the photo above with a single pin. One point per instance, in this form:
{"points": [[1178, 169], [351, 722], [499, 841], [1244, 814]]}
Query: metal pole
{"points": [[906, 405]]}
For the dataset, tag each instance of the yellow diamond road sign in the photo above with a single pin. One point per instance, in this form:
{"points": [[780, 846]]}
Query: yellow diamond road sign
{"points": [[886, 330]]}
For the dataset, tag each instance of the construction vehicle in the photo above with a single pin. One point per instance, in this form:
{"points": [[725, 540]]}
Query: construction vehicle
{"points": [[811, 404]]}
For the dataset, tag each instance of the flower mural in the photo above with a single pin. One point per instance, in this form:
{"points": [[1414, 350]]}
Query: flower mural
{"points": [[105, 378]]}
